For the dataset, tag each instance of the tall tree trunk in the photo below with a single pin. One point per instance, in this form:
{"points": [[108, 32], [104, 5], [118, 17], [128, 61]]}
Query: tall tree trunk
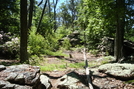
{"points": [[49, 5], [41, 16], [118, 48], [55, 4], [23, 29], [30, 13], [73, 14]]}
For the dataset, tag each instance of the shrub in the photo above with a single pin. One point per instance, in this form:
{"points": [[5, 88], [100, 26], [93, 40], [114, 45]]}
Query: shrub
{"points": [[38, 44], [11, 48], [4, 37], [66, 44]]}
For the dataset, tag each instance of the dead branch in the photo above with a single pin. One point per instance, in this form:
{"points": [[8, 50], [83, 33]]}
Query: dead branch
{"points": [[88, 72]]}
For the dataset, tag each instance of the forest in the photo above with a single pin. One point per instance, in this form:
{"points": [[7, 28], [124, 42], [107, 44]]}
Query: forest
{"points": [[71, 34]]}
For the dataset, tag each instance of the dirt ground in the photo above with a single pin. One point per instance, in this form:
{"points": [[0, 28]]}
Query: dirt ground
{"points": [[99, 80]]}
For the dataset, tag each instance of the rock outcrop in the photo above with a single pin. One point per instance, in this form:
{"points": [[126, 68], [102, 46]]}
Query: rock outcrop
{"points": [[72, 80], [121, 71], [20, 77]]}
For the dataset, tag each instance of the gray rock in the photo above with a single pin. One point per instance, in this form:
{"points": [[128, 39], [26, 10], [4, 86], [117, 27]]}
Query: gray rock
{"points": [[2, 83], [2, 67], [121, 71], [6, 85], [71, 81], [22, 87], [45, 81], [20, 77], [106, 58], [11, 77]]}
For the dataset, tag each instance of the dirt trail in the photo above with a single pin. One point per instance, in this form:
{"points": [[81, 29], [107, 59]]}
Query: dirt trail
{"points": [[100, 80]]}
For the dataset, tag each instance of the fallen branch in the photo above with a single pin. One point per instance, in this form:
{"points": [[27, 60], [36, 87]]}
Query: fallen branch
{"points": [[88, 72]]}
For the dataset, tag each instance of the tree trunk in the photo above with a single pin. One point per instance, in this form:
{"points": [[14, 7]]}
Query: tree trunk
{"points": [[55, 4], [49, 5], [23, 29], [118, 48], [30, 13], [42, 15]]}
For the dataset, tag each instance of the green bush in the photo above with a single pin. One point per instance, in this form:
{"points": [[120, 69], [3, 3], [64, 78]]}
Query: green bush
{"points": [[66, 44], [36, 43], [94, 52]]}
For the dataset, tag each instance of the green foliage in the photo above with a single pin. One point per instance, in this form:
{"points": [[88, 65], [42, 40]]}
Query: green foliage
{"points": [[62, 31], [129, 35], [52, 67], [94, 52], [76, 65], [91, 22], [39, 44], [107, 59], [46, 26], [66, 44], [130, 82], [36, 43], [9, 16], [34, 60]]}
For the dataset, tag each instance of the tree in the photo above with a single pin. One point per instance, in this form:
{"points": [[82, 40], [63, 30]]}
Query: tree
{"points": [[30, 13], [67, 14], [9, 16], [91, 22], [99, 22], [41, 16], [119, 37], [55, 4], [24, 31]]}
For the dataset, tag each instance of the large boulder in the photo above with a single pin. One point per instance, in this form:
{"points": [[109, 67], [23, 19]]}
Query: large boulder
{"points": [[19, 77], [122, 71], [72, 80]]}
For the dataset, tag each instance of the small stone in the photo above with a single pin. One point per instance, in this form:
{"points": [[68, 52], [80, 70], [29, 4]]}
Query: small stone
{"points": [[2, 67]]}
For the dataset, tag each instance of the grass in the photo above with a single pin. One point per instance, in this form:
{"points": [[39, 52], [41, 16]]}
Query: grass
{"points": [[130, 82], [53, 67], [76, 65], [64, 66], [61, 66]]}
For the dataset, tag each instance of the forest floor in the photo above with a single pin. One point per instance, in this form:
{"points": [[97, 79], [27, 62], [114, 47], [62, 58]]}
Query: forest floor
{"points": [[100, 80]]}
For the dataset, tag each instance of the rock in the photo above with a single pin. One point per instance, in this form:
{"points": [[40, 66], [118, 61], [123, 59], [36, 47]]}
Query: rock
{"points": [[73, 38], [2, 67], [71, 80], [22, 87], [106, 58], [45, 81], [20, 77], [121, 71], [11, 77]]}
